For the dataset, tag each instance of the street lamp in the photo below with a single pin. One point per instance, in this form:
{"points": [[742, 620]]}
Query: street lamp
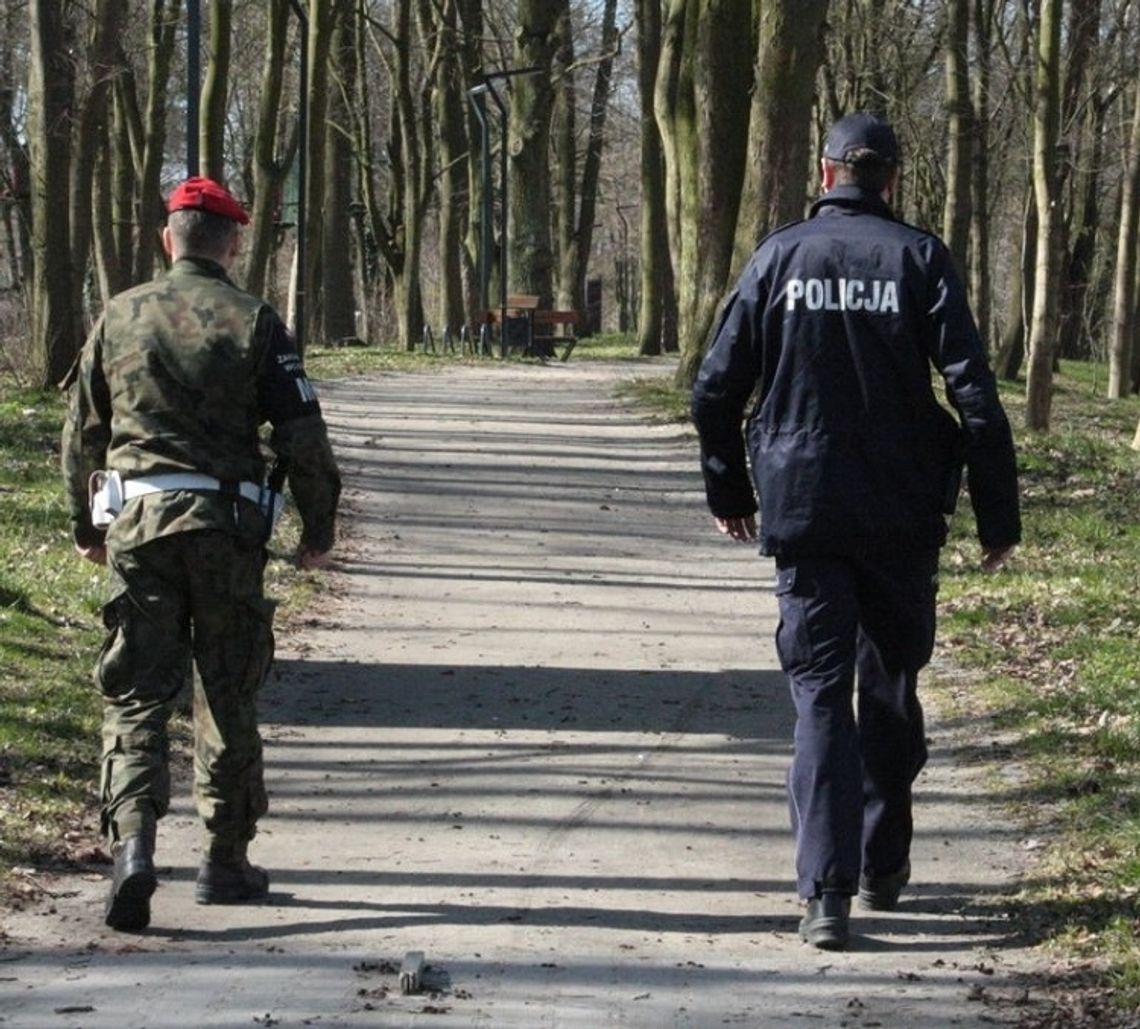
{"points": [[477, 95]]}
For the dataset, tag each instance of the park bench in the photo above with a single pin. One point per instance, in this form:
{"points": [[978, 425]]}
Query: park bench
{"points": [[537, 331]]}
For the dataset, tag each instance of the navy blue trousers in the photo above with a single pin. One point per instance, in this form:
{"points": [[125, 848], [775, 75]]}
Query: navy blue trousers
{"points": [[847, 621]]}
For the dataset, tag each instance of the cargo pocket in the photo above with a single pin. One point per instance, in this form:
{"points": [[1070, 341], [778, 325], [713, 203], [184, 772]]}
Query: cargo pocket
{"points": [[112, 666], [793, 641], [259, 612]]}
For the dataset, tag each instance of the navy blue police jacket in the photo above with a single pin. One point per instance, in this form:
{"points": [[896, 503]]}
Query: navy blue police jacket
{"points": [[831, 332]]}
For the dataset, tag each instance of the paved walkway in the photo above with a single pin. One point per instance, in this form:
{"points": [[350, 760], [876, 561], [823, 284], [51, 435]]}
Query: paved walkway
{"points": [[540, 736]]}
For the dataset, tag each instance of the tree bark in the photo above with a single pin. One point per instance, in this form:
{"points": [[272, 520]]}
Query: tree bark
{"points": [[1124, 284], [529, 251], [453, 146], [979, 264], [704, 114], [269, 172], [152, 144], [656, 270], [779, 140], [55, 326], [960, 116], [1046, 118], [212, 130], [321, 20], [337, 309], [91, 131], [592, 166]]}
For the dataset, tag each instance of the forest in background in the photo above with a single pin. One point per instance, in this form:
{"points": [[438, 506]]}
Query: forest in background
{"points": [[644, 145]]}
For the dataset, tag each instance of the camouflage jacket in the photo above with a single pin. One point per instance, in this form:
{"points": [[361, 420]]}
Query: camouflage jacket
{"points": [[178, 375]]}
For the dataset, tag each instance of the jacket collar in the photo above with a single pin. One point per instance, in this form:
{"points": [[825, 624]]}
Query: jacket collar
{"points": [[200, 266], [852, 198]]}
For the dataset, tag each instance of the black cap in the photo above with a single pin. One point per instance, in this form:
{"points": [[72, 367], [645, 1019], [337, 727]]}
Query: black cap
{"points": [[861, 132]]}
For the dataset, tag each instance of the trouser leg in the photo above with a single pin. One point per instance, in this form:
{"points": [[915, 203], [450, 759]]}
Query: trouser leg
{"points": [[233, 648], [897, 614], [140, 669], [816, 644]]}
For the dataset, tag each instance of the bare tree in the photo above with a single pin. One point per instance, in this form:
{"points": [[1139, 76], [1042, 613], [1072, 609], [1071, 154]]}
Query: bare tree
{"points": [[779, 139], [960, 127], [529, 249], [1046, 118], [271, 161], [215, 89], [658, 312], [56, 331], [702, 106], [1124, 319]]}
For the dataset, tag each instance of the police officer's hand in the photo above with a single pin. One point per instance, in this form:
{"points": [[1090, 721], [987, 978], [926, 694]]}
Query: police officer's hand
{"points": [[994, 557], [740, 529], [96, 555], [309, 560]]}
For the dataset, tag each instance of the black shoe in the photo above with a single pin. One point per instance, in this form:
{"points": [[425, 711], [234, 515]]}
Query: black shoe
{"points": [[825, 923], [238, 882], [881, 892], [132, 883]]}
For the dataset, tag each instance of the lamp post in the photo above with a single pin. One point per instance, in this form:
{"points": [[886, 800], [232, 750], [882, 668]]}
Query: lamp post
{"points": [[193, 83], [477, 95]]}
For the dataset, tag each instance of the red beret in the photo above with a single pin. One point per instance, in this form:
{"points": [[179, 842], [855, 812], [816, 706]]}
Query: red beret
{"points": [[201, 194]]}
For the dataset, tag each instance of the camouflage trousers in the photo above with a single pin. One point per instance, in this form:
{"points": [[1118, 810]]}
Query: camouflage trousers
{"points": [[189, 597]]}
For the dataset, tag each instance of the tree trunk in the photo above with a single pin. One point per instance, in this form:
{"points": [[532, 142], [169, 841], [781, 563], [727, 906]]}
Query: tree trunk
{"points": [[337, 309], [705, 121], [152, 145], [1124, 285], [212, 130], [124, 184], [91, 131], [529, 252], [17, 217], [960, 115], [979, 265], [453, 144], [1046, 118], [564, 129], [592, 166], [269, 173], [321, 20], [779, 140], [654, 236], [55, 326], [471, 59]]}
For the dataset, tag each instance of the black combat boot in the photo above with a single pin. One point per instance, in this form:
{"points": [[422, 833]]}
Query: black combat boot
{"points": [[133, 882], [230, 880], [824, 924]]}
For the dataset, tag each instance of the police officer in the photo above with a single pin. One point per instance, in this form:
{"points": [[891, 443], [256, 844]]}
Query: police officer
{"points": [[833, 327], [166, 482]]}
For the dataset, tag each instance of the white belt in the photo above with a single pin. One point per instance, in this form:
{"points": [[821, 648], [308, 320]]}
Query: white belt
{"points": [[108, 492], [184, 480]]}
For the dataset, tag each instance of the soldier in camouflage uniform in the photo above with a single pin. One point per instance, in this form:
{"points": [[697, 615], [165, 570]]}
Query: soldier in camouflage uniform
{"points": [[169, 392]]}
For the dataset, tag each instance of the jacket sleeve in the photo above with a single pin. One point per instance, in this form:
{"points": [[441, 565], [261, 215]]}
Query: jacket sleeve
{"points": [[725, 382], [86, 434], [288, 401], [958, 353]]}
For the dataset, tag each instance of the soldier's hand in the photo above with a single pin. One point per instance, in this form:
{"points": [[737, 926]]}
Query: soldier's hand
{"points": [[309, 560], [994, 557], [96, 555], [740, 529]]}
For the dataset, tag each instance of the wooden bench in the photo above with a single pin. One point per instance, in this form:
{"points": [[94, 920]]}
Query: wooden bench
{"points": [[542, 329]]}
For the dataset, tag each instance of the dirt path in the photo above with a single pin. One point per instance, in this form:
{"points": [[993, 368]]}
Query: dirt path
{"points": [[539, 736]]}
